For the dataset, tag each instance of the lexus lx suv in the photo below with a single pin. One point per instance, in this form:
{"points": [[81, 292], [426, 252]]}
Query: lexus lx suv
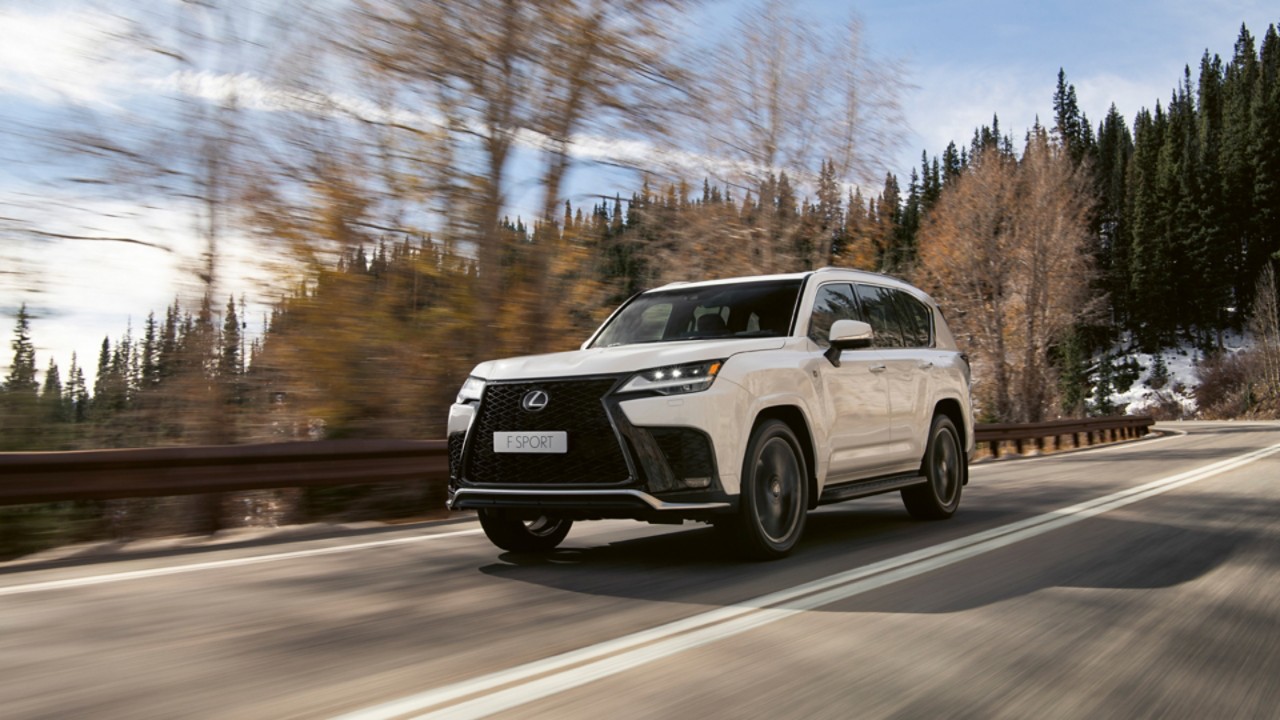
{"points": [[743, 403]]}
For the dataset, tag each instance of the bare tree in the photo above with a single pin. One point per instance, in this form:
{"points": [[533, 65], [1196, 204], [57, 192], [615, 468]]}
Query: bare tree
{"points": [[508, 76], [1005, 252], [1265, 325], [785, 94]]}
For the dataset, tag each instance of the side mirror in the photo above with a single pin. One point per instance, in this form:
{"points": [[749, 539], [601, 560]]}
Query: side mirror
{"points": [[847, 335]]}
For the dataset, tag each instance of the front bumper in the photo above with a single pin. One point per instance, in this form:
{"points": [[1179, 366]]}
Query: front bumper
{"points": [[583, 504], [680, 451]]}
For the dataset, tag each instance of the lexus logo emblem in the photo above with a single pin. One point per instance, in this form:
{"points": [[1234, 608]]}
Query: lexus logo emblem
{"points": [[534, 400]]}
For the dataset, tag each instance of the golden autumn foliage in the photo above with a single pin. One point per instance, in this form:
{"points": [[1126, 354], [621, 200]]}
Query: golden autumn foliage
{"points": [[1005, 252]]}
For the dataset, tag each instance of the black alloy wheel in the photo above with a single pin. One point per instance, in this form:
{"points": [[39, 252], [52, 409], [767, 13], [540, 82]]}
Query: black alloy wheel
{"points": [[774, 499], [944, 467]]}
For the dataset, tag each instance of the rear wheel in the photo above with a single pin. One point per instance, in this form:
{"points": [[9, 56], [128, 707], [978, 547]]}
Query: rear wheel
{"points": [[541, 534], [775, 493], [944, 467]]}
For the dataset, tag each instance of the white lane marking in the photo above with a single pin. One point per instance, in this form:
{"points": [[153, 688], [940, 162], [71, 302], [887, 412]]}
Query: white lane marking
{"points": [[217, 564], [511, 688]]}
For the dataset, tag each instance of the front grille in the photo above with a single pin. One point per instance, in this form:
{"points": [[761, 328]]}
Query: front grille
{"points": [[574, 406]]}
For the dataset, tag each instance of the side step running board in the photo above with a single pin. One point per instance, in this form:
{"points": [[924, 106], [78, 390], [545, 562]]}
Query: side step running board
{"points": [[863, 488]]}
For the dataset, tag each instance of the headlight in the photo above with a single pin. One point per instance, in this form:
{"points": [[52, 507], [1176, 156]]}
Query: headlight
{"points": [[471, 390], [674, 379]]}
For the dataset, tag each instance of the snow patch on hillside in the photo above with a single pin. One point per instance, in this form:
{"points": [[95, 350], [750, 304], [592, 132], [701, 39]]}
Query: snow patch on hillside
{"points": [[1174, 386]]}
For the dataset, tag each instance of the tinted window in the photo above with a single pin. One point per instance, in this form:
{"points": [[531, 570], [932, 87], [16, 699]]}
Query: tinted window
{"points": [[833, 302], [914, 317], [740, 310], [878, 305]]}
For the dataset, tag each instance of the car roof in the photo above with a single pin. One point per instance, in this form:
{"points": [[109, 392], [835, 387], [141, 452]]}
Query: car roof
{"points": [[836, 272]]}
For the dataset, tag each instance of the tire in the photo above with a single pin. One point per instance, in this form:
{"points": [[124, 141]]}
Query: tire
{"points": [[945, 466], [774, 498], [540, 535]]}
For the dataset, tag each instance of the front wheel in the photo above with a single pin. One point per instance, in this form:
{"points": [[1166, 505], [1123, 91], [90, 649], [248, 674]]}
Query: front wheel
{"points": [[775, 493], [542, 534], [943, 466]]}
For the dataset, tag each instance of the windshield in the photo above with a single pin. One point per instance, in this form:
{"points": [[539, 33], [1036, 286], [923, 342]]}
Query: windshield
{"points": [[741, 310]]}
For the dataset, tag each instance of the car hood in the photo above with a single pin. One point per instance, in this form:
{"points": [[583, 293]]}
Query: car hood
{"points": [[620, 359]]}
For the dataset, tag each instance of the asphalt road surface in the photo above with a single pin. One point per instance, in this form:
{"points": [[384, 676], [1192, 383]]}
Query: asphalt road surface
{"points": [[1133, 581]]}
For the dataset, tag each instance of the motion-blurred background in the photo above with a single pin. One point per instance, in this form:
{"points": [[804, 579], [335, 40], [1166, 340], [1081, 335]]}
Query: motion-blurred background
{"points": [[231, 221]]}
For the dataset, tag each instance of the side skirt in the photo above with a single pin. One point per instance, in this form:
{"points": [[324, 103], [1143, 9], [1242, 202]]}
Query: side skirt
{"points": [[865, 488]]}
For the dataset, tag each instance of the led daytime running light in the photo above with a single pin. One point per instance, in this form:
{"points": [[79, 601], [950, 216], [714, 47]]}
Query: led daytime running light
{"points": [[675, 379]]}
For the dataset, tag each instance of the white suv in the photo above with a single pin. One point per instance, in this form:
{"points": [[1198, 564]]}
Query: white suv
{"points": [[742, 402]]}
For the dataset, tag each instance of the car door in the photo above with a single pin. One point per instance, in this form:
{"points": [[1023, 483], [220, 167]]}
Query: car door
{"points": [[923, 360], [901, 373], [855, 393]]}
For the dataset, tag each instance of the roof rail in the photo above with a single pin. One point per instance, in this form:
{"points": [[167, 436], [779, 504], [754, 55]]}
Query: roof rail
{"points": [[829, 268]]}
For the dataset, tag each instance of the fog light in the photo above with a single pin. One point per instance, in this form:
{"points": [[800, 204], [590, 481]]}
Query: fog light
{"points": [[698, 482]]}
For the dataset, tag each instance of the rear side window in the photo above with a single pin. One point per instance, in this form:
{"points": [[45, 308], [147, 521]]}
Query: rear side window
{"points": [[835, 301], [882, 313], [915, 318]]}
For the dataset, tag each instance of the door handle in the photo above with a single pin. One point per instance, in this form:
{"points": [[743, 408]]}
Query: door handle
{"points": [[925, 365], [877, 368]]}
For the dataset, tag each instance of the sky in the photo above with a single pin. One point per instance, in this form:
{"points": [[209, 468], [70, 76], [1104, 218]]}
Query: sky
{"points": [[965, 62]]}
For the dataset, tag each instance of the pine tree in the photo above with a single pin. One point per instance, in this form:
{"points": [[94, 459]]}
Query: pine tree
{"points": [[1265, 149], [888, 220], [21, 380], [908, 227], [76, 394], [1212, 252], [1148, 262], [229, 364], [1114, 150], [830, 215], [148, 360], [1072, 129], [952, 164], [51, 399], [20, 423]]}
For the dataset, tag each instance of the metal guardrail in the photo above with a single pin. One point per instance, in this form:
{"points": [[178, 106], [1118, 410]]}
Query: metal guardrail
{"points": [[193, 470], [1091, 430]]}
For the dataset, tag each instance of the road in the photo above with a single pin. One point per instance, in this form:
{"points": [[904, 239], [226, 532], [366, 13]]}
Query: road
{"points": [[1137, 580]]}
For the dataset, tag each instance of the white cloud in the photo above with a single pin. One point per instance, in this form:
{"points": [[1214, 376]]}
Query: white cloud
{"points": [[1096, 93], [952, 102], [58, 55], [252, 93]]}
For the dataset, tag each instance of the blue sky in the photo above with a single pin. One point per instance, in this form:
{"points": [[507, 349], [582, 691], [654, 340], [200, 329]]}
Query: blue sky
{"points": [[965, 61], [971, 60]]}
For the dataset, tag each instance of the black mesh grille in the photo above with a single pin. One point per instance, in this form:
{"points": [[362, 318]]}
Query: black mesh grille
{"points": [[575, 407], [456, 441], [687, 452]]}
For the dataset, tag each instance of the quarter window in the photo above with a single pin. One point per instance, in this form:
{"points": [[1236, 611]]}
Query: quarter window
{"points": [[877, 303], [914, 316]]}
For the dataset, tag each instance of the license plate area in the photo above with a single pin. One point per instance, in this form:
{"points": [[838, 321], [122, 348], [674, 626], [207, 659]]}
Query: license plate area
{"points": [[543, 442]]}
